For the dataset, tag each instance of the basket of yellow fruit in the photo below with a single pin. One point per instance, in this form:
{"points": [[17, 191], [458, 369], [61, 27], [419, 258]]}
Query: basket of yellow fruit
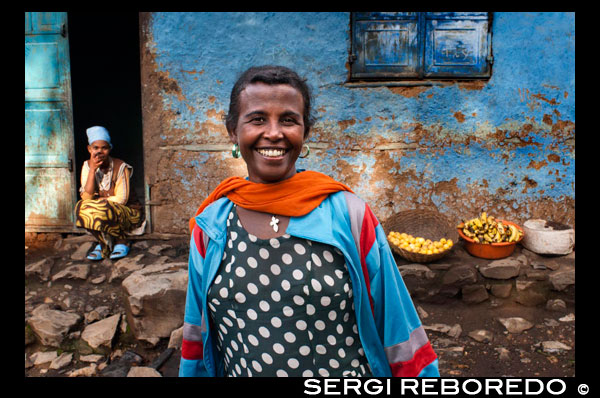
{"points": [[421, 236]]}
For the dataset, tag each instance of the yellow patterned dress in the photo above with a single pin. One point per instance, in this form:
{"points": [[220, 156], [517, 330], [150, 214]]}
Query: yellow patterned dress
{"points": [[113, 210]]}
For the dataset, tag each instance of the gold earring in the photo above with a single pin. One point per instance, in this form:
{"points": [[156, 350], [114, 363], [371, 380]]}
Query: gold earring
{"points": [[305, 151], [235, 151]]}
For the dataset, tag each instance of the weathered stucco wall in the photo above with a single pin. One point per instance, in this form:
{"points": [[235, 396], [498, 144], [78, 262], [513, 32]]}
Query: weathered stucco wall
{"points": [[506, 144]]}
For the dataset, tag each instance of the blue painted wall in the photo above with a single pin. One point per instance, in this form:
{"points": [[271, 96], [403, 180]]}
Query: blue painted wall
{"points": [[505, 144]]}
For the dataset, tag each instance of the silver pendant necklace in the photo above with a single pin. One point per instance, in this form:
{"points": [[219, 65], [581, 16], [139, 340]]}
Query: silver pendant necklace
{"points": [[273, 223]]}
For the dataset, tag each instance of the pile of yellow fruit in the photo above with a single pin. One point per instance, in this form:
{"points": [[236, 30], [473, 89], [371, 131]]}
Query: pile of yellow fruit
{"points": [[419, 245], [486, 229]]}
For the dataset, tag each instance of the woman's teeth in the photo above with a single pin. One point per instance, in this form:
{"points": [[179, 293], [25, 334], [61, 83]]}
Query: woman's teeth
{"points": [[271, 152]]}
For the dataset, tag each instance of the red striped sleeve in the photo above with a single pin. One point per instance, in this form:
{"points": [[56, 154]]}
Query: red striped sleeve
{"points": [[411, 368], [199, 240], [192, 349], [367, 239]]}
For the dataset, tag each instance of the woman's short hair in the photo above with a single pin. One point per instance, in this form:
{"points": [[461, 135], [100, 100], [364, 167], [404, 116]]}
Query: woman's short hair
{"points": [[269, 74]]}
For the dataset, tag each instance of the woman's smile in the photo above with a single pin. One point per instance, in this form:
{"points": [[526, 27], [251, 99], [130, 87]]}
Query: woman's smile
{"points": [[272, 153]]}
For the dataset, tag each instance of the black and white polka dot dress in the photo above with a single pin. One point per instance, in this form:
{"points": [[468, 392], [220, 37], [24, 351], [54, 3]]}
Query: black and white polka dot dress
{"points": [[284, 307]]}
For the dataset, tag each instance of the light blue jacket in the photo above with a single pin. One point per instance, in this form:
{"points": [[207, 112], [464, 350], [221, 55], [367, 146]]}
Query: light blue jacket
{"points": [[390, 330]]}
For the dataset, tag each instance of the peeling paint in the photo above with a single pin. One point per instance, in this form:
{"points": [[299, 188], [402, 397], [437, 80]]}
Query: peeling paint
{"points": [[459, 116], [506, 144], [409, 92]]}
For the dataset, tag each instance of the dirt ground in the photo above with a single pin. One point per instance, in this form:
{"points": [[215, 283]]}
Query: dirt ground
{"points": [[525, 357], [458, 356]]}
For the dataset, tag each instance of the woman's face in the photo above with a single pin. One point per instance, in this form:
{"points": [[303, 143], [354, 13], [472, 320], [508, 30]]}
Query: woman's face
{"points": [[270, 131], [99, 150]]}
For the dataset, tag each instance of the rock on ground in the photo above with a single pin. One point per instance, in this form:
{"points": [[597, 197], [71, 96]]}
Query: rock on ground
{"points": [[143, 371], [501, 269], [39, 358], [101, 333], [82, 250], [63, 360], [562, 278], [515, 325], [554, 347], [84, 372], [156, 300], [41, 269], [79, 271], [482, 335], [51, 326]]}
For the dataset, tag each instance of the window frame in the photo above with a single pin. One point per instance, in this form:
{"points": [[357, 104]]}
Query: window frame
{"points": [[421, 44]]}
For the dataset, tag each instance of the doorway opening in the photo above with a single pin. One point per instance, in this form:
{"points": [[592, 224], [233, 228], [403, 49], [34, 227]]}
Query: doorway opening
{"points": [[106, 87]]}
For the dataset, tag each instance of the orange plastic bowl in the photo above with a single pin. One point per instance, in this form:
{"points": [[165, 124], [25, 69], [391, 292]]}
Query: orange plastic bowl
{"points": [[490, 251]]}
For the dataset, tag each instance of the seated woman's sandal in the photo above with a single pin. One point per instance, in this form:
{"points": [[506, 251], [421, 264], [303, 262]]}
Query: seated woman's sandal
{"points": [[95, 254], [120, 251]]}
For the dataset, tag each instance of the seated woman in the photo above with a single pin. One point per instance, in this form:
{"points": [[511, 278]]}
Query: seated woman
{"points": [[108, 207]]}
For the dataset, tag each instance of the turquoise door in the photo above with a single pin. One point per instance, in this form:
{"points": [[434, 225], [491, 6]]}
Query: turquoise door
{"points": [[49, 154]]}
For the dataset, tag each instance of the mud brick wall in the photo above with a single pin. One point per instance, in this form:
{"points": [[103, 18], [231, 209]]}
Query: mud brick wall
{"points": [[506, 144]]}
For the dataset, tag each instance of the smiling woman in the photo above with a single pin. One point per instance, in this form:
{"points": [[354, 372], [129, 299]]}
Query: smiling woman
{"points": [[288, 268]]}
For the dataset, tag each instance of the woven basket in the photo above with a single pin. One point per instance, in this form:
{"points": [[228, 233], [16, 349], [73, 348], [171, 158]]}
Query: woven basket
{"points": [[426, 224]]}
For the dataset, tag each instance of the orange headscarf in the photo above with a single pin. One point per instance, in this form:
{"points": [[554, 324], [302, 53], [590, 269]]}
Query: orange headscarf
{"points": [[294, 197]]}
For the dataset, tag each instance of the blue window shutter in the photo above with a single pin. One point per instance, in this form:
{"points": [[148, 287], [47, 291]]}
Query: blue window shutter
{"points": [[456, 45], [44, 23], [386, 45]]}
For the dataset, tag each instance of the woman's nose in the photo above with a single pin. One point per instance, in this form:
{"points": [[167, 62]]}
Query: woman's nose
{"points": [[273, 130]]}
